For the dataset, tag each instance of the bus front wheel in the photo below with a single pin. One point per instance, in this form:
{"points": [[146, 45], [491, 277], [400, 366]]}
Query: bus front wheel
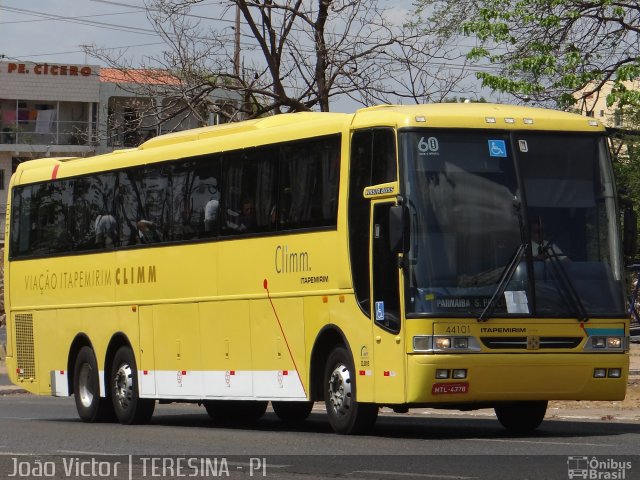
{"points": [[346, 414], [129, 407], [86, 388], [521, 417]]}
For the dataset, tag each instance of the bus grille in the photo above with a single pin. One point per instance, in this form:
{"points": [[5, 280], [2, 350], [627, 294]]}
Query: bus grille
{"points": [[523, 343], [25, 355]]}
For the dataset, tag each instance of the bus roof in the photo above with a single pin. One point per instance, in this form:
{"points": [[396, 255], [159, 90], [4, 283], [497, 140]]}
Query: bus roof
{"points": [[288, 127], [475, 115]]}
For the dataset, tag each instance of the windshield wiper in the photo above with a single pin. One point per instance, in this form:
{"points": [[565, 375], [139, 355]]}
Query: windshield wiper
{"points": [[505, 278], [570, 295]]}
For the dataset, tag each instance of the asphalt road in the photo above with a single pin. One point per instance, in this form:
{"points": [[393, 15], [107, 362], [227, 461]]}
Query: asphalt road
{"points": [[402, 446]]}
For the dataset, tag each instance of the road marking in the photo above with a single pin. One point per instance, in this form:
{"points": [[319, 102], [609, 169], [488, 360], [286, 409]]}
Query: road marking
{"points": [[80, 452], [573, 444], [406, 474]]}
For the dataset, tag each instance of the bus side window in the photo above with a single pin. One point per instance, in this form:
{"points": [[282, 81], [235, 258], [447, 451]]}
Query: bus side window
{"points": [[308, 186]]}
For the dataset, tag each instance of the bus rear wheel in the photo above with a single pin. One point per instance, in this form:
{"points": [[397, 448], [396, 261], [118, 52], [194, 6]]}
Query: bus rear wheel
{"points": [[248, 410], [521, 417], [292, 412], [129, 408], [86, 388], [346, 414]]}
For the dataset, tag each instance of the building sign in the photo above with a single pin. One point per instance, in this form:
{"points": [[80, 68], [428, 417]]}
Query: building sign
{"points": [[46, 69], [24, 81]]}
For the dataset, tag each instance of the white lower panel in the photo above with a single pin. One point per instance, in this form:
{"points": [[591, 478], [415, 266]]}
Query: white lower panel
{"points": [[59, 383], [229, 384], [147, 383], [278, 384], [185, 384], [101, 381]]}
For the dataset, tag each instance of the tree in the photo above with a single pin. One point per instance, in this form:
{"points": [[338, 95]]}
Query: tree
{"points": [[546, 50], [625, 148], [296, 56]]}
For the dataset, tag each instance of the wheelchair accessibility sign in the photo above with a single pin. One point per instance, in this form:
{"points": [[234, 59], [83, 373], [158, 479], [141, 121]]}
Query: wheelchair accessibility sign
{"points": [[379, 311], [497, 148]]}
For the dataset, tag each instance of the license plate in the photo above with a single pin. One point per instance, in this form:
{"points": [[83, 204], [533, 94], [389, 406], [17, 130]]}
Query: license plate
{"points": [[449, 388]]}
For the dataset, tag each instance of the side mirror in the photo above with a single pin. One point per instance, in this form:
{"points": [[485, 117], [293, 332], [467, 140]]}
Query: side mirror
{"points": [[398, 229], [630, 232]]}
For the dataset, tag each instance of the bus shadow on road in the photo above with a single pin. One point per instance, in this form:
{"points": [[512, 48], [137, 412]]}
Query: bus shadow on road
{"points": [[410, 427]]}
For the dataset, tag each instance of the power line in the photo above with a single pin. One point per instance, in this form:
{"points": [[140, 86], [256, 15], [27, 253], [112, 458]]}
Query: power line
{"points": [[50, 54], [83, 20], [109, 26], [13, 22]]}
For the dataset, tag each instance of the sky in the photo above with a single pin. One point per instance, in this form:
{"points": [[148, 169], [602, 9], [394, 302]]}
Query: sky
{"points": [[55, 30]]}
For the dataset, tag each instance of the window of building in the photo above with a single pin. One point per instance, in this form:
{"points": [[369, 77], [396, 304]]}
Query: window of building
{"points": [[617, 118]]}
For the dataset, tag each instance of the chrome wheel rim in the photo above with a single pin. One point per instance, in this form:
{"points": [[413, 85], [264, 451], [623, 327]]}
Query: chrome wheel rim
{"points": [[340, 390], [84, 385], [123, 385]]}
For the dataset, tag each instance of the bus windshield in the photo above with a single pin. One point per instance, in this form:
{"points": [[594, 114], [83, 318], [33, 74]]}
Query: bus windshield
{"points": [[478, 198]]}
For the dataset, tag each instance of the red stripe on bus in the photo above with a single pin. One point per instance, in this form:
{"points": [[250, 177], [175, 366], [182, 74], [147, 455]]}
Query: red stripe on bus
{"points": [[54, 174]]}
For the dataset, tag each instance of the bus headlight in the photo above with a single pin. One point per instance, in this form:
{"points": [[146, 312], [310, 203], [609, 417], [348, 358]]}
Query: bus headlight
{"points": [[444, 343], [461, 343], [422, 344], [613, 343], [614, 373]]}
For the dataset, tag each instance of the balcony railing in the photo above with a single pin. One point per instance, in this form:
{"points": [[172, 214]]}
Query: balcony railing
{"points": [[55, 133]]}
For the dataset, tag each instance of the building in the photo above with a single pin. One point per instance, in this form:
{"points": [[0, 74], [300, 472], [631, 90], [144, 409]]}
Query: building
{"points": [[595, 105], [54, 110]]}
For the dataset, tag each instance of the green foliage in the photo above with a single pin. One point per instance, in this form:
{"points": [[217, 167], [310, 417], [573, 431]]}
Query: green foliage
{"points": [[546, 50], [464, 100], [626, 155]]}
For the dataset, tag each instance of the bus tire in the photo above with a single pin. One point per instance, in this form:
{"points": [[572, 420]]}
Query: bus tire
{"points": [[346, 415], [521, 417], [129, 408], [247, 410], [292, 412], [86, 389]]}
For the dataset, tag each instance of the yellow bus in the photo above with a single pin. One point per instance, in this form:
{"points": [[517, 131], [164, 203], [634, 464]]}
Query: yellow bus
{"points": [[449, 256]]}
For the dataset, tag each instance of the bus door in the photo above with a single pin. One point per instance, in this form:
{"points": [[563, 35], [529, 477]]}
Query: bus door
{"points": [[388, 341]]}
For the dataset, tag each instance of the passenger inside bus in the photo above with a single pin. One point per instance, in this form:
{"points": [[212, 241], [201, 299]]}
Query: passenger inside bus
{"points": [[147, 232], [245, 220], [106, 231]]}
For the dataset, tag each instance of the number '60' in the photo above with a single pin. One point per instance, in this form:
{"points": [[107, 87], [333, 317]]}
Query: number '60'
{"points": [[428, 145]]}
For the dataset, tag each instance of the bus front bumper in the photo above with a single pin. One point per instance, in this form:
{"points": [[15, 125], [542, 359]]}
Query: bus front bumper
{"points": [[516, 377]]}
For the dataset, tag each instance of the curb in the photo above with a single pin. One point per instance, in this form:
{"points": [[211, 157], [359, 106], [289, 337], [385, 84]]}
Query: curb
{"points": [[11, 390]]}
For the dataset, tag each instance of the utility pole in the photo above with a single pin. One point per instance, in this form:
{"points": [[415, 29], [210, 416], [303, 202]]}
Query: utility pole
{"points": [[236, 59], [236, 53]]}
